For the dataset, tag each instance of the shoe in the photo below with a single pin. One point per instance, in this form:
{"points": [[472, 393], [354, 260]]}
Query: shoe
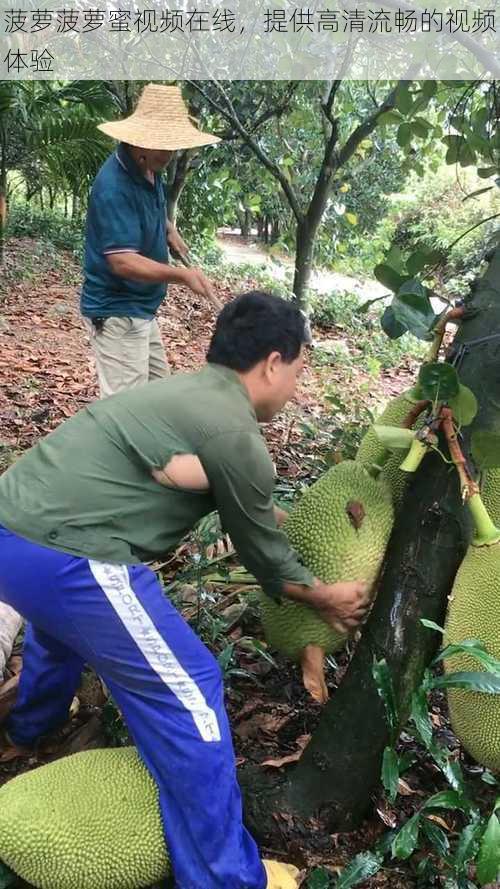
{"points": [[280, 875]]}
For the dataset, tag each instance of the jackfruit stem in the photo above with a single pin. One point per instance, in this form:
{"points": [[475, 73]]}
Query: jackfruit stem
{"points": [[414, 457], [486, 532], [439, 332], [468, 486]]}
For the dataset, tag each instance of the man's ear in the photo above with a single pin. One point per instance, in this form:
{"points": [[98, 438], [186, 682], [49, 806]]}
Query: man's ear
{"points": [[272, 364]]}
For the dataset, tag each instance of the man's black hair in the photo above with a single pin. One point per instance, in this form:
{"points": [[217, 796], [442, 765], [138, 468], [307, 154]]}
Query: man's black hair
{"points": [[252, 326]]}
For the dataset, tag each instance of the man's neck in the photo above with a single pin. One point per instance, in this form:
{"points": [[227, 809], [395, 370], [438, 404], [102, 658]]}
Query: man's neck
{"points": [[136, 155]]}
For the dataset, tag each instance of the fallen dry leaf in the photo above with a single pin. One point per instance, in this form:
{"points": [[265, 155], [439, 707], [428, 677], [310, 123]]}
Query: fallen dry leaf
{"points": [[302, 741]]}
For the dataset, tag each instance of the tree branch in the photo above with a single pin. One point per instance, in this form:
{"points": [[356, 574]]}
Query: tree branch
{"points": [[230, 115]]}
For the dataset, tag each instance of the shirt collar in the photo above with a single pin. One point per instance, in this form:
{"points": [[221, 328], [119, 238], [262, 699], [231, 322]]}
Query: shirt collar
{"points": [[126, 161], [230, 376]]}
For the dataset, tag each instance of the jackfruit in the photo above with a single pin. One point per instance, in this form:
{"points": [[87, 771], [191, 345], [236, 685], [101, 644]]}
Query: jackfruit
{"points": [[371, 450], [340, 527], [473, 614], [490, 493], [88, 821]]}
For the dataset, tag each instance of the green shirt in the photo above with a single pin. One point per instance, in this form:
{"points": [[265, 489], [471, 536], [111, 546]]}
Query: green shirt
{"points": [[87, 488]]}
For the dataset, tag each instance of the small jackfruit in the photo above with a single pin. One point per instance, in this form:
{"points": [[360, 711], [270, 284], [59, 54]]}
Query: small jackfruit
{"points": [[340, 527], [473, 613], [372, 451], [88, 821]]}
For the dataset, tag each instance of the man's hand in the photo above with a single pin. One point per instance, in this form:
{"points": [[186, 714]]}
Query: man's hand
{"points": [[199, 284], [343, 605], [175, 242]]}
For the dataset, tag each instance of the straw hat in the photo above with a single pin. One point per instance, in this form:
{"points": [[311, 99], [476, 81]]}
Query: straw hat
{"points": [[160, 121]]}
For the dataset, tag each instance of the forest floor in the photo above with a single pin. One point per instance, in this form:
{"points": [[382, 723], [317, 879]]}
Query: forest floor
{"points": [[46, 375]]}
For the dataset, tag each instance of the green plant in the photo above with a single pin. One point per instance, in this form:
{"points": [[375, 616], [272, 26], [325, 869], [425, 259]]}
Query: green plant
{"points": [[476, 842]]}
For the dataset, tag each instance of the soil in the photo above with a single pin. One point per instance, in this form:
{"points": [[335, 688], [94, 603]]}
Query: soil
{"points": [[46, 375]]}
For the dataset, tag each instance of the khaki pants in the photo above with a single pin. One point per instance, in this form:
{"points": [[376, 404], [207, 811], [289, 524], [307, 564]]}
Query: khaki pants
{"points": [[128, 352]]}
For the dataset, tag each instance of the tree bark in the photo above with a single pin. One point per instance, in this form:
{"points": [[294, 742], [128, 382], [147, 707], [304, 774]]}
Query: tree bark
{"points": [[304, 251], [340, 769], [177, 174]]}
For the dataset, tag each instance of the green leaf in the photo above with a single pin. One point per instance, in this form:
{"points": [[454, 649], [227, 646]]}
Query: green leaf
{"points": [[420, 127], [431, 625], [320, 878], [446, 799], [488, 860], [352, 218], [475, 648], [404, 99], [488, 778], [395, 259], [363, 866], [405, 842], [412, 307], [486, 172], [390, 117], [7, 877], [485, 449], [417, 261], [487, 683], [224, 658], [390, 326], [390, 773], [475, 194], [438, 381], [404, 134], [388, 276], [420, 716], [392, 437], [429, 88], [467, 845], [463, 405], [385, 688], [436, 836], [466, 155]]}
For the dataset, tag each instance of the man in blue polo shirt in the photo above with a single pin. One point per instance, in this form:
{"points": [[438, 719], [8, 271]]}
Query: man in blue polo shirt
{"points": [[127, 239]]}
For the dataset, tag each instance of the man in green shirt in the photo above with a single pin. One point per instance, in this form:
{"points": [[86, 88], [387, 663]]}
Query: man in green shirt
{"points": [[122, 482]]}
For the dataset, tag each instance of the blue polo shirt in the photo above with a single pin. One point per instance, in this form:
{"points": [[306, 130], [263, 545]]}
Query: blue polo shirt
{"points": [[126, 212]]}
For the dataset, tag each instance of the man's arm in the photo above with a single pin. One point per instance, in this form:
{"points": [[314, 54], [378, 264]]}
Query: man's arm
{"points": [[175, 242], [135, 267], [241, 480]]}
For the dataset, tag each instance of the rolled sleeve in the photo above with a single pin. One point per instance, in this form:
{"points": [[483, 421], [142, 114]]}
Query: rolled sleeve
{"points": [[241, 478], [117, 222]]}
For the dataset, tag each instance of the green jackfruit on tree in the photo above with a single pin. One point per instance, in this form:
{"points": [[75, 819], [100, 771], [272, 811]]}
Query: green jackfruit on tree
{"points": [[88, 821], [372, 452], [340, 527], [473, 613]]}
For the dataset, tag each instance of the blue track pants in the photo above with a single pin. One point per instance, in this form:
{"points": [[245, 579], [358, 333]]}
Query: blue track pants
{"points": [[164, 680]]}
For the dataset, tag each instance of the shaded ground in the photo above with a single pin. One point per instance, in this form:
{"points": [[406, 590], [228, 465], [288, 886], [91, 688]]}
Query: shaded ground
{"points": [[45, 376]]}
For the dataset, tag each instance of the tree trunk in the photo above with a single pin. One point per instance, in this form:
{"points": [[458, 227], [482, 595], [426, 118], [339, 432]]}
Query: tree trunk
{"points": [[177, 174], [304, 249], [75, 206], [275, 230], [340, 769]]}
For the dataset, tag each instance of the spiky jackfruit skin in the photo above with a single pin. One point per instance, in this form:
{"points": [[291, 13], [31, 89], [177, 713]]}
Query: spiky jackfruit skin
{"points": [[473, 614], [321, 530], [371, 450], [88, 821], [490, 493]]}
